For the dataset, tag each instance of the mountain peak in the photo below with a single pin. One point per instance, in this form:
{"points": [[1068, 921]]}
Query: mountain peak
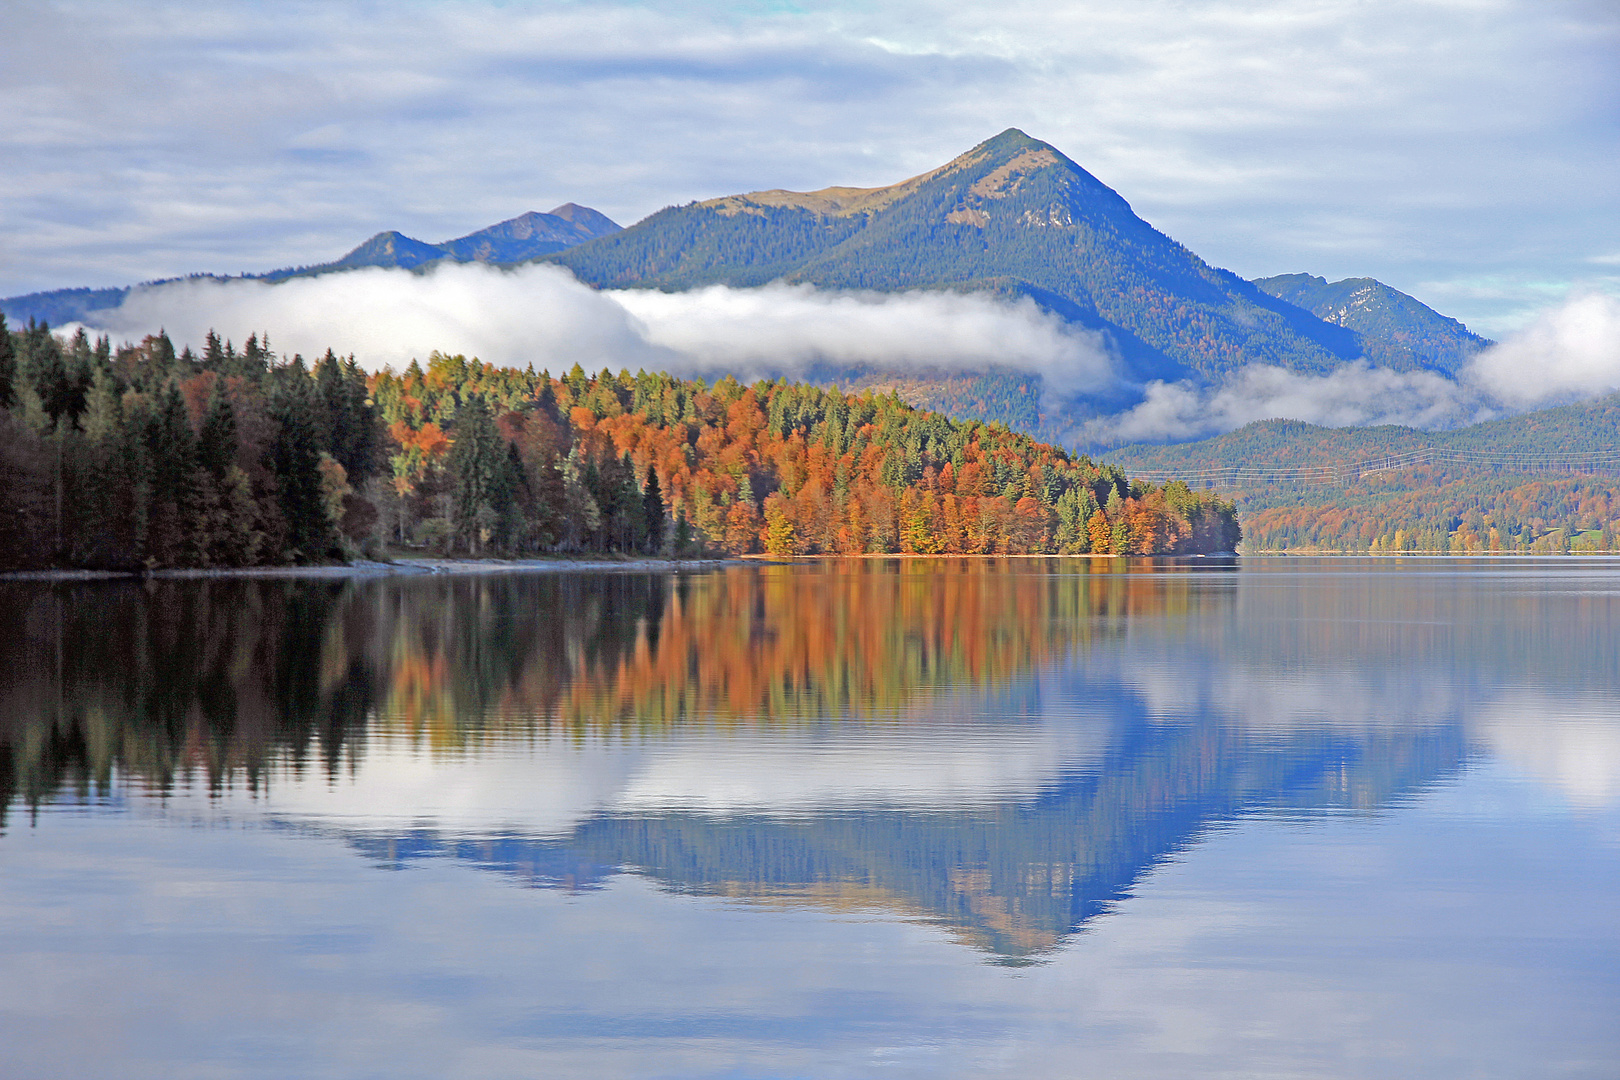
{"points": [[1396, 326], [590, 221]]}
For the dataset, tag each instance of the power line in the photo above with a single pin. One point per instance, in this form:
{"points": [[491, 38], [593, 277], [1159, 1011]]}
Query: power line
{"points": [[1524, 461]]}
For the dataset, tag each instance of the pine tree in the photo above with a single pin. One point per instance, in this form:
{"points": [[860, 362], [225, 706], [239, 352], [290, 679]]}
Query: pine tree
{"points": [[213, 353], [171, 465]]}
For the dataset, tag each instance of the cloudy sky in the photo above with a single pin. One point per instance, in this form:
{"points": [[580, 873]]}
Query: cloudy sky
{"points": [[1462, 150]]}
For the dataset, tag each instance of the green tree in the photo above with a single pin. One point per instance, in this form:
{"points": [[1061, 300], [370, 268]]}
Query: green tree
{"points": [[481, 471], [652, 510], [8, 366], [294, 458]]}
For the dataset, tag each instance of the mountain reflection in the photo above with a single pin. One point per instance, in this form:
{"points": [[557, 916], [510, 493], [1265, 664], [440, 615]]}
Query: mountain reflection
{"points": [[1001, 748]]}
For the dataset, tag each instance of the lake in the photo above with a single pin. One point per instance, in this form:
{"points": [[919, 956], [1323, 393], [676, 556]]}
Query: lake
{"points": [[1026, 818]]}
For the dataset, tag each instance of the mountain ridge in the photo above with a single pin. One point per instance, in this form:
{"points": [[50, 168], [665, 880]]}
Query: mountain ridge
{"points": [[511, 241]]}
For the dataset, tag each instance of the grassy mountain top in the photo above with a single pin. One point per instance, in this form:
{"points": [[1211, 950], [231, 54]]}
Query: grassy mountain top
{"points": [[1014, 215]]}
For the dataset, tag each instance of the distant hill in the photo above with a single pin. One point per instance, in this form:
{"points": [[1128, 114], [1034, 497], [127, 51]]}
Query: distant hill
{"points": [[1588, 427], [1395, 327], [515, 240], [1544, 481], [1012, 217]]}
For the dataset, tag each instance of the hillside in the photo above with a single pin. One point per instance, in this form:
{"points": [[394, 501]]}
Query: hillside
{"points": [[1504, 475], [1396, 328], [140, 457], [1013, 217]]}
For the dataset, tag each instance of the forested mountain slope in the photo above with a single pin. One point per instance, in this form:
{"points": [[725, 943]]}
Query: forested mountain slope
{"points": [[1542, 481], [1013, 216], [1394, 326]]}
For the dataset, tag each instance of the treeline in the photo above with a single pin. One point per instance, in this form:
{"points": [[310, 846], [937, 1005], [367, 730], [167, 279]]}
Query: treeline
{"points": [[141, 457], [518, 461]]}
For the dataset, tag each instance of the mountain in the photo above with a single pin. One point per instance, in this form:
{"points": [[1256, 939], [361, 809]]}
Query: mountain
{"points": [[515, 240], [1013, 217], [518, 239], [384, 249], [1395, 327]]}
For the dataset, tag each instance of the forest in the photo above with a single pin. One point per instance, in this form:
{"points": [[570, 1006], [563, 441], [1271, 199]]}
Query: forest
{"points": [[141, 457], [1513, 484]]}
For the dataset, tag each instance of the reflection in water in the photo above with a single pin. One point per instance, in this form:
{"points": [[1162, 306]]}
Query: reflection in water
{"points": [[1001, 748]]}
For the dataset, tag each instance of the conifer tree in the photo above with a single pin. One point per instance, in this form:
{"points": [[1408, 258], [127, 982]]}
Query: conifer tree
{"points": [[480, 469], [216, 441], [295, 460], [652, 510]]}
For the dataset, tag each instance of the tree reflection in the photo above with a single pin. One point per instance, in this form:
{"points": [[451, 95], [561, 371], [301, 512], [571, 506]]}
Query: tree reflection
{"points": [[222, 683]]}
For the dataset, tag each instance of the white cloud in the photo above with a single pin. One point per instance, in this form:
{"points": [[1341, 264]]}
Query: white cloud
{"points": [[1354, 395], [1413, 140], [1572, 351], [788, 327], [541, 315]]}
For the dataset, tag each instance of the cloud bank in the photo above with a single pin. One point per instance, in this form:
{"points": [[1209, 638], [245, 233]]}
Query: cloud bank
{"points": [[541, 315], [1570, 353]]}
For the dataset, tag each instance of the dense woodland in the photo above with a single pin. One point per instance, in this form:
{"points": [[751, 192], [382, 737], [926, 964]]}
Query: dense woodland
{"points": [[1435, 510], [141, 457], [1450, 506]]}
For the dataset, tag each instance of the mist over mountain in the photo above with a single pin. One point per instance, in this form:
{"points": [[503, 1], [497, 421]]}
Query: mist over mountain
{"points": [[1108, 331], [515, 240], [1012, 217]]}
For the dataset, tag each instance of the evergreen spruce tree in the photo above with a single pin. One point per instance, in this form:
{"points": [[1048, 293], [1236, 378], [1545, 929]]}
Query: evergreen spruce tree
{"points": [[171, 454], [545, 400], [216, 441], [213, 358], [652, 504], [295, 460], [479, 470]]}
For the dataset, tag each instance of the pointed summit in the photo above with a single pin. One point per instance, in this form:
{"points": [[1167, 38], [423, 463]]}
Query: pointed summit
{"points": [[1013, 216], [388, 249], [591, 223]]}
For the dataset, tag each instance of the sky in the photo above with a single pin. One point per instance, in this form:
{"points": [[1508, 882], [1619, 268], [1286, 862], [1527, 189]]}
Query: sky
{"points": [[1461, 150]]}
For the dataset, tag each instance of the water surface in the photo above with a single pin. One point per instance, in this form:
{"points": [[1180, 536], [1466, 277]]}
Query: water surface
{"points": [[942, 818]]}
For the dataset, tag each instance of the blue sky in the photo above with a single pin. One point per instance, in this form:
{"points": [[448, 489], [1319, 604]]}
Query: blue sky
{"points": [[1462, 150]]}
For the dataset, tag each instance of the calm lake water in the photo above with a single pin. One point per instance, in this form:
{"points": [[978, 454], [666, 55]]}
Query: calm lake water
{"points": [[911, 818]]}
